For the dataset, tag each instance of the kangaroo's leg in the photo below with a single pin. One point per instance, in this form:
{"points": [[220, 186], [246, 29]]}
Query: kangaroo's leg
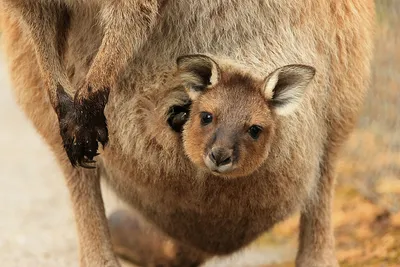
{"points": [[94, 239], [87, 202], [317, 243], [84, 185]]}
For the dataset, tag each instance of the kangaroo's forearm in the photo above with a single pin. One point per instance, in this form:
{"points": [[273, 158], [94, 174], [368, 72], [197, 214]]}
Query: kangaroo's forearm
{"points": [[127, 25]]}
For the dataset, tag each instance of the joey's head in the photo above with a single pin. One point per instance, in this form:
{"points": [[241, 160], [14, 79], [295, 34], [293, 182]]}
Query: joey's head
{"points": [[233, 115]]}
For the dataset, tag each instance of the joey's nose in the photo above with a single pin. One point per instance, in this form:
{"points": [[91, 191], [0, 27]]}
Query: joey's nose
{"points": [[221, 156]]}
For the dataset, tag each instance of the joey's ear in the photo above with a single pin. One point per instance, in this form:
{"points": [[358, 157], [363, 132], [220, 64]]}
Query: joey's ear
{"points": [[196, 73], [285, 87]]}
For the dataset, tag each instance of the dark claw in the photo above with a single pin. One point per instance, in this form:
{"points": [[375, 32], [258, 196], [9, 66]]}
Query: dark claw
{"points": [[85, 163], [102, 136], [90, 161], [86, 166], [91, 147]]}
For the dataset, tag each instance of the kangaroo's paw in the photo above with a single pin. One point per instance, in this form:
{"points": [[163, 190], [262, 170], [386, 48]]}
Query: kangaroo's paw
{"points": [[82, 125]]}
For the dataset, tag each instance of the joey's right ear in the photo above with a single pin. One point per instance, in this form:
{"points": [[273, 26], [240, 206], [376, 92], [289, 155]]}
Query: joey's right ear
{"points": [[285, 87], [197, 73]]}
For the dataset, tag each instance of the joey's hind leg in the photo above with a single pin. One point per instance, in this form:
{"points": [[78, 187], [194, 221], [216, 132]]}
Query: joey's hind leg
{"points": [[317, 242], [138, 241]]}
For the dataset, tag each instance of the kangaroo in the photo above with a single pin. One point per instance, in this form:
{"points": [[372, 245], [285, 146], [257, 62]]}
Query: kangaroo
{"points": [[227, 119]]}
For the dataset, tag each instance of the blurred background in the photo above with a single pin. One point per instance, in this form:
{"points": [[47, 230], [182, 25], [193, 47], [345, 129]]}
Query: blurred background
{"points": [[36, 222]]}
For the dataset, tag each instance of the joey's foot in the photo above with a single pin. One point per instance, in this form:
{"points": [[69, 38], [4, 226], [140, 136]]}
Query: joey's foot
{"points": [[177, 116], [82, 125], [137, 241]]}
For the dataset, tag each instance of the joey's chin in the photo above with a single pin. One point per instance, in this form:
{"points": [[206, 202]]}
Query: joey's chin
{"points": [[228, 171]]}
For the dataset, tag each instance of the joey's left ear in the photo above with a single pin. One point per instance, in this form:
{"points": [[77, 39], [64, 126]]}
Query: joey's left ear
{"points": [[196, 73], [285, 87]]}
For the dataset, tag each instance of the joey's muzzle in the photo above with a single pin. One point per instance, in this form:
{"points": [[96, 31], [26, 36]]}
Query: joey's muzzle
{"points": [[219, 159]]}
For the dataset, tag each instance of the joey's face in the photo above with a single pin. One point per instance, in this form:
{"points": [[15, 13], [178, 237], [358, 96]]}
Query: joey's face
{"points": [[234, 115], [230, 129]]}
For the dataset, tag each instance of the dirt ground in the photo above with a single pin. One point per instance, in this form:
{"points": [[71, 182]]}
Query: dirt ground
{"points": [[37, 227]]}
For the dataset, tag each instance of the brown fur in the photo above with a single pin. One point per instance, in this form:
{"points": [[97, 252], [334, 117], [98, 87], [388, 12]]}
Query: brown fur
{"points": [[237, 101], [126, 26], [145, 161]]}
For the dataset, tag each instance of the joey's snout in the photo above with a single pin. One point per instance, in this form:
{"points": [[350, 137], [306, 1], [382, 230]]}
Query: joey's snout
{"points": [[221, 156], [219, 159]]}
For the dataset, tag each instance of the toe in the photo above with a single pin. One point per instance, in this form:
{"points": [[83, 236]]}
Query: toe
{"points": [[87, 163], [78, 148], [69, 148], [91, 145], [102, 135]]}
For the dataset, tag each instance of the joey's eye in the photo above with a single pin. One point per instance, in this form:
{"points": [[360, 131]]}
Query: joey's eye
{"points": [[206, 118], [254, 131]]}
